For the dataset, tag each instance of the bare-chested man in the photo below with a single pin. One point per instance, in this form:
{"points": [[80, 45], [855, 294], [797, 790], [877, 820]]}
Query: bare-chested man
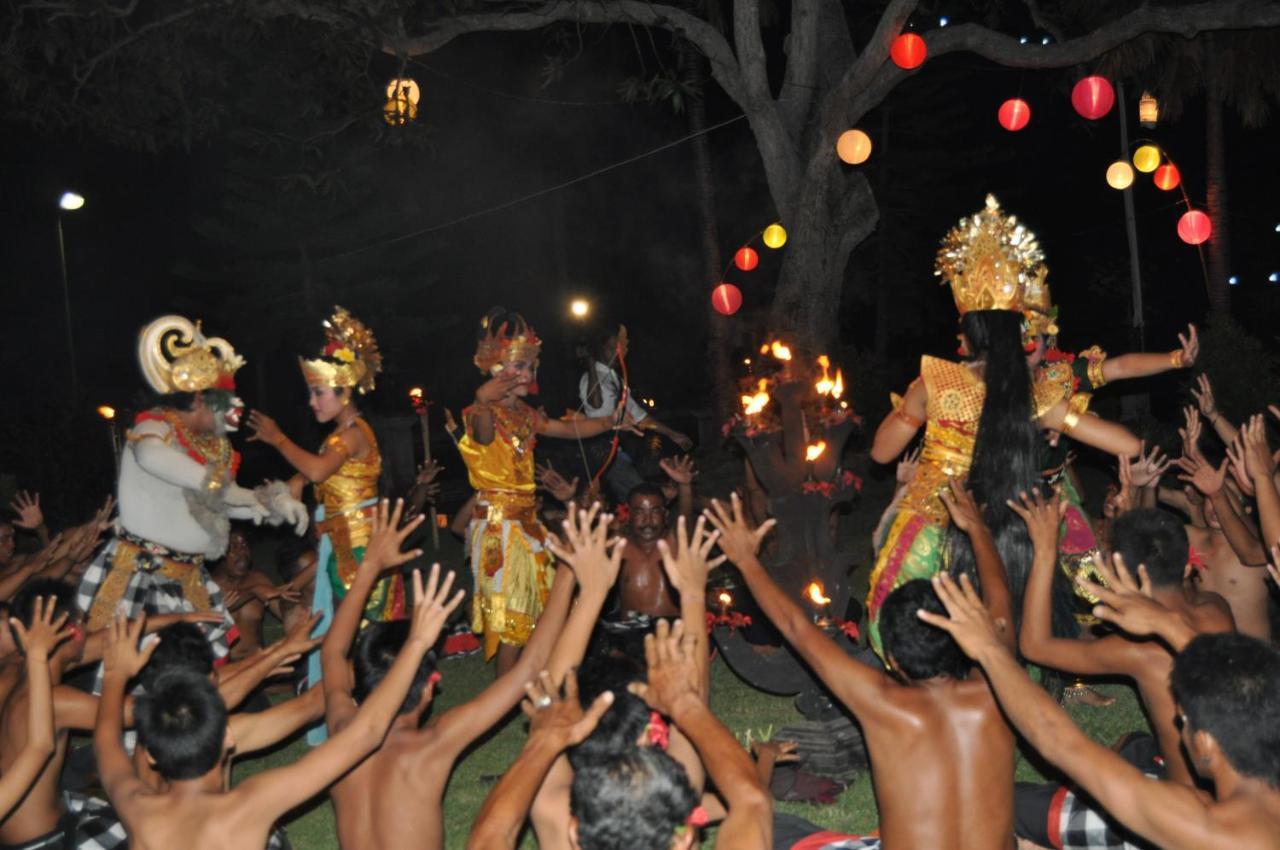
{"points": [[252, 593], [643, 587], [941, 753]]}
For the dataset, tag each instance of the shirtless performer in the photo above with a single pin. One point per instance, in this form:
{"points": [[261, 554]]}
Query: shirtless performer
{"points": [[1227, 690], [642, 586], [941, 753], [255, 595]]}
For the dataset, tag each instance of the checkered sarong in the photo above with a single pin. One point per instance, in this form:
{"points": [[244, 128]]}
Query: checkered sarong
{"points": [[148, 589], [86, 824], [1083, 826]]}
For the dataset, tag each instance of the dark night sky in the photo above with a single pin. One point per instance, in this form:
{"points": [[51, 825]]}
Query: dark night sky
{"points": [[627, 239]]}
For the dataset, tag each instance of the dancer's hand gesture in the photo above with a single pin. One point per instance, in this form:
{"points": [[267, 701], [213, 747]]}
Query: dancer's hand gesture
{"points": [[383, 550], [738, 541]]}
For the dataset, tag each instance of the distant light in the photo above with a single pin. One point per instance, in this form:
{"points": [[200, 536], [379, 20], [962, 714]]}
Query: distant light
{"points": [[579, 308], [1233, 280], [1044, 40], [107, 412], [71, 201], [415, 393], [1274, 277], [1022, 40], [1278, 228], [942, 22]]}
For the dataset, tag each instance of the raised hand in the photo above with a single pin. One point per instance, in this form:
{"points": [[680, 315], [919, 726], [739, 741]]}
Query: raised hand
{"points": [[1124, 601], [428, 472], [1198, 472], [1203, 394], [1146, 468], [1259, 462], [122, 657], [968, 621], [674, 672], [432, 606], [1043, 518], [27, 507], [497, 388], [1190, 433], [907, 467], [1238, 466], [679, 469], [42, 636], [553, 482], [586, 547], [103, 517], [298, 640], [1189, 347], [555, 713], [265, 429], [688, 563], [959, 502], [383, 550], [738, 541]]}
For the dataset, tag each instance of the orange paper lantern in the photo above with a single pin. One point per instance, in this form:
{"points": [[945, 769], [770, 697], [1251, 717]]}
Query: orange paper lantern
{"points": [[1194, 227], [853, 147], [726, 299], [1093, 97], [1014, 114], [746, 259], [908, 51], [1167, 177]]}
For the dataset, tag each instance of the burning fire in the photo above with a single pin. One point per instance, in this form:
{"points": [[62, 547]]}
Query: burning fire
{"points": [[415, 393], [753, 404], [779, 351], [815, 593], [107, 412], [814, 451], [825, 385], [724, 598]]}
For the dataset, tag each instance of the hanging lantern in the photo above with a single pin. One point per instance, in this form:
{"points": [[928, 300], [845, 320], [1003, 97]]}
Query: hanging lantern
{"points": [[908, 51], [402, 101], [1119, 175], [1093, 97], [1148, 110], [726, 299], [1014, 114], [746, 259], [1167, 177], [853, 147], [1194, 227], [775, 236], [1146, 158]]}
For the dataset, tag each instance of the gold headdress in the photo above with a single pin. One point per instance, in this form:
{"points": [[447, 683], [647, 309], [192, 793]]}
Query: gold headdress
{"points": [[512, 340], [349, 359], [993, 262], [176, 356]]}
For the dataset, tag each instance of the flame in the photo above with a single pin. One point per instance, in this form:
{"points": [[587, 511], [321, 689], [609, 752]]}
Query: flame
{"points": [[814, 451], [779, 351], [107, 412], [837, 388], [764, 349], [724, 598], [814, 591], [824, 384], [415, 393], [753, 404]]}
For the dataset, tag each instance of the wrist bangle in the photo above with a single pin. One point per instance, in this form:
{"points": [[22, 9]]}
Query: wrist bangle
{"points": [[1069, 421], [1175, 359]]}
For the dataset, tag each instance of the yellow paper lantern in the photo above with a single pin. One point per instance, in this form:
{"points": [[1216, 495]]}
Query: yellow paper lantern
{"points": [[775, 236], [402, 101], [1146, 158], [853, 147], [1119, 175]]}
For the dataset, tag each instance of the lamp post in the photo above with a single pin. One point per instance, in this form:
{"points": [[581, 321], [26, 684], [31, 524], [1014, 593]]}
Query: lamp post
{"points": [[69, 202]]}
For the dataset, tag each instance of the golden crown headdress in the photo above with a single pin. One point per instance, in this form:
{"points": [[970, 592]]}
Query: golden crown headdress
{"points": [[993, 262], [350, 358], [511, 340], [176, 356]]}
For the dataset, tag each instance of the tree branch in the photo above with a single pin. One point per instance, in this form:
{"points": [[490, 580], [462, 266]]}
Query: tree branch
{"points": [[802, 65], [746, 39]]}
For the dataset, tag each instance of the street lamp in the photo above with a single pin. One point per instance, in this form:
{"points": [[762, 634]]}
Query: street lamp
{"points": [[580, 307], [69, 202]]}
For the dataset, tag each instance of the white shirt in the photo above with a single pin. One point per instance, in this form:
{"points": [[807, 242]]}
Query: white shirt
{"points": [[610, 389]]}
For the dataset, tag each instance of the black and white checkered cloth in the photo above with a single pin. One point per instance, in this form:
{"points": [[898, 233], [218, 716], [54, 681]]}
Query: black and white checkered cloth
{"points": [[1084, 826], [87, 823]]}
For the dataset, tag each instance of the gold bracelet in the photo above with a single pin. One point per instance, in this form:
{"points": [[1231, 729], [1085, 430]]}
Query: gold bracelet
{"points": [[1175, 358], [1069, 421], [908, 418]]}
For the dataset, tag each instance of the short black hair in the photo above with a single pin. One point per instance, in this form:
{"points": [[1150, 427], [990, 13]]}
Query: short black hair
{"points": [[376, 650], [921, 650], [630, 801], [64, 599], [183, 646], [1155, 539], [625, 721], [182, 722], [1228, 685], [647, 489]]}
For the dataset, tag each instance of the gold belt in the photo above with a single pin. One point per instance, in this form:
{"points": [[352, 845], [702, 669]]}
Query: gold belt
{"points": [[499, 505]]}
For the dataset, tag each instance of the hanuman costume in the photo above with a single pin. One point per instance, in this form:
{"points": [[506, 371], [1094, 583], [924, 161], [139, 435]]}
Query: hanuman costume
{"points": [[506, 541], [177, 490], [992, 262]]}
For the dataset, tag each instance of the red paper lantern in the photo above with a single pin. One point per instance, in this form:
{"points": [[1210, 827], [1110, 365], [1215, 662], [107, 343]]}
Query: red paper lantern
{"points": [[1167, 177], [726, 299], [746, 259], [1194, 227], [1093, 97], [1014, 114], [908, 51]]}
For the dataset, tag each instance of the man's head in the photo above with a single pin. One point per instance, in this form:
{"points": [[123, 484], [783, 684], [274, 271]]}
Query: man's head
{"points": [[647, 512], [376, 650], [182, 725], [1151, 537], [236, 562], [624, 725], [1227, 687], [638, 800], [8, 541], [912, 647], [183, 647], [64, 602]]}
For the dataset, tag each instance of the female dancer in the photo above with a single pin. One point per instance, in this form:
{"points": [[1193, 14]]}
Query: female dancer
{"points": [[981, 417], [506, 541]]}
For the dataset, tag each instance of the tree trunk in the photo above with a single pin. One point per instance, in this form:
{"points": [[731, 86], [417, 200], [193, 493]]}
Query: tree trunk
{"points": [[884, 285], [1216, 185]]}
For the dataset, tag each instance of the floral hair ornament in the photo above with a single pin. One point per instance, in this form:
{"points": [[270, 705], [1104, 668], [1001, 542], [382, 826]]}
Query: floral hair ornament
{"points": [[350, 357], [657, 731], [176, 356], [514, 339]]}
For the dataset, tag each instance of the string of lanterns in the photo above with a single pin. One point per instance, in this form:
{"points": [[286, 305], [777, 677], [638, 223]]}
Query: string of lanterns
{"points": [[726, 298]]}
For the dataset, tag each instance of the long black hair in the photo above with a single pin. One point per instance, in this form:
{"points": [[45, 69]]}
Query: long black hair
{"points": [[1006, 451]]}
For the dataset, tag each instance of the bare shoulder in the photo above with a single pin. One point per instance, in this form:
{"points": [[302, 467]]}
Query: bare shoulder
{"points": [[1211, 613]]}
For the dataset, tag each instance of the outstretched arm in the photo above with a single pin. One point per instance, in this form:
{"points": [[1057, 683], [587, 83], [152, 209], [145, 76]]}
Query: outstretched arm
{"points": [[1092, 430], [1142, 365], [122, 662], [314, 467], [585, 548], [899, 428], [991, 576]]}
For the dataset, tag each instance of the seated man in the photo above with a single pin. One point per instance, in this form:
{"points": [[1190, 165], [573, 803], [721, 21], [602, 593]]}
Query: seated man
{"points": [[941, 753], [251, 593], [1227, 691]]}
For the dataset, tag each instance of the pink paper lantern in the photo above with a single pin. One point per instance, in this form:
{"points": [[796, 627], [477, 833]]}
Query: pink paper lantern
{"points": [[1194, 227], [1093, 97], [1014, 114], [746, 259], [726, 299]]}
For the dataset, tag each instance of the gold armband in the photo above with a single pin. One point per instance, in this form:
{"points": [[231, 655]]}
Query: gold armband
{"points": [[908, 418], [1069, 421], [1176, 359]]}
